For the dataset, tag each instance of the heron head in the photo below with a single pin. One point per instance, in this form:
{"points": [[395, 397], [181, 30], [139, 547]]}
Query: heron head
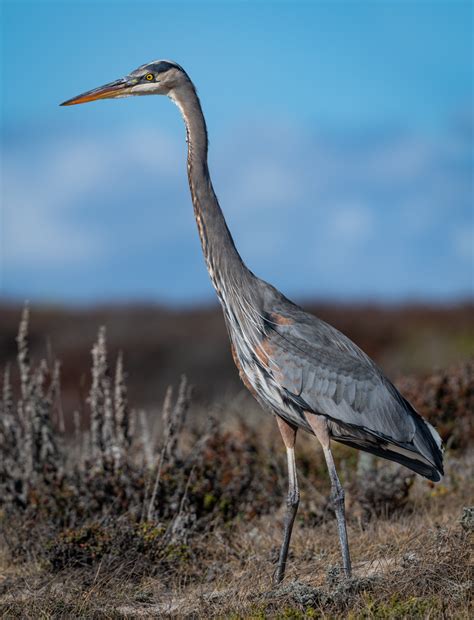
{"points": [[160, 77]]}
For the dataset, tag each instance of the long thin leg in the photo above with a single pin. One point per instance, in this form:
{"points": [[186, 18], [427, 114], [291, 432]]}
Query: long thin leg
{"points": [[288, 433], [320, 428]]}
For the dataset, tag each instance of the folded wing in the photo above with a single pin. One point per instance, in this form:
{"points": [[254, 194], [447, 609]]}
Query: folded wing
{"points": [[324, 372]]}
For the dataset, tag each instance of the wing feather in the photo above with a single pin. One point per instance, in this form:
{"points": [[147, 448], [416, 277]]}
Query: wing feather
{"points": [[324, 369]]}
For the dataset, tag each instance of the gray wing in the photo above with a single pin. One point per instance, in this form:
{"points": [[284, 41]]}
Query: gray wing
{"points": [[320, 370], [326, 373]]}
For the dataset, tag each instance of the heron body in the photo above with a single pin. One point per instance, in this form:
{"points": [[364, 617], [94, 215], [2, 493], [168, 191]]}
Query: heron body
{"points": [[298, 367]]}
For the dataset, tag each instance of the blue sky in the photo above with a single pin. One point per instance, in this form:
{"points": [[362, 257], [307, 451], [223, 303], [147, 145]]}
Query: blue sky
{"points": [[341, 149]]}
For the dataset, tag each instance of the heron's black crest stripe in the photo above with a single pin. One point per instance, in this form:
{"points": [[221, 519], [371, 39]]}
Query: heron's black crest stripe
{"points": [[157, 67], [163, 66]]}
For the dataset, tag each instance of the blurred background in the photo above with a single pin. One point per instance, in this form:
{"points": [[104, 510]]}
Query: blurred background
{"points": [[341, 151]]}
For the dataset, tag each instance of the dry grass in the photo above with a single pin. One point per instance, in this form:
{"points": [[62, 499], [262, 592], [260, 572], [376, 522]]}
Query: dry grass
{"points": [[127, 519], [410, 566]]}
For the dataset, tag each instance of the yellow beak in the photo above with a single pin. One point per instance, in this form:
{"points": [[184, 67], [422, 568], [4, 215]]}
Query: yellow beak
{"points": [[108, 91]]}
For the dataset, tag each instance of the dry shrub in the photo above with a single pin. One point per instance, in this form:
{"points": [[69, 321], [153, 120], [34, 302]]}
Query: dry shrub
{"points": [[129, 500], [446, 399], [118, 484], [380, 489]]}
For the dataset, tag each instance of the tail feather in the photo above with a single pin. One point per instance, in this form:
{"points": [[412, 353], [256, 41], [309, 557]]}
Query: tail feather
{"points": [[427, 440], [420, 467], [423, 455]]}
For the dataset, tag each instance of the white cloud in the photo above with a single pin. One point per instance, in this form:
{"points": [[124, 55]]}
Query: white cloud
{"points": [[301, 210], [37, 199], [463, 244], [266, 182], [44, 192], [352, 224]]}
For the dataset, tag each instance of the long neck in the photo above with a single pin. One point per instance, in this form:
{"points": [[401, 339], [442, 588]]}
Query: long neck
{"points": [[222, 259]]}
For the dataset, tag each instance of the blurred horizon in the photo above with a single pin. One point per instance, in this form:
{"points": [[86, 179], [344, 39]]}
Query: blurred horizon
{"points": [[341, 141]]}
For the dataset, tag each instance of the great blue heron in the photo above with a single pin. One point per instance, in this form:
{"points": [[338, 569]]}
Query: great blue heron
{"points": [[305, 372]]}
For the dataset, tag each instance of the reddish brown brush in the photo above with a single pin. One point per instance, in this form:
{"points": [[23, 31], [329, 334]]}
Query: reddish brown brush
{"points": [[181, 519]]}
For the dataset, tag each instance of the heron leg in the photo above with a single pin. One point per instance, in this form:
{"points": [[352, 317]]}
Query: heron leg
{"points": [[320, 428], [288, 433]]}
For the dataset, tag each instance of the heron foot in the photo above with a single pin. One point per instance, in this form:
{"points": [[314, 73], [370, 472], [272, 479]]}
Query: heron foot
{"points": [[292, 504]]}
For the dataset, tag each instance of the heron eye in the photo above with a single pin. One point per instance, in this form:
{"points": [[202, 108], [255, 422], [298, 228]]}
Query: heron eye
{"points": [[149, 77]]}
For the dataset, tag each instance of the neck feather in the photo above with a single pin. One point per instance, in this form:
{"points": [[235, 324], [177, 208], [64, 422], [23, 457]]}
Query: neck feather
{"points": [[222, 259]]}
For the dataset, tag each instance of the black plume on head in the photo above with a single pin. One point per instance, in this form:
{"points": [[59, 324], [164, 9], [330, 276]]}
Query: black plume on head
{"points": [[164, 65], [160, 66]]}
